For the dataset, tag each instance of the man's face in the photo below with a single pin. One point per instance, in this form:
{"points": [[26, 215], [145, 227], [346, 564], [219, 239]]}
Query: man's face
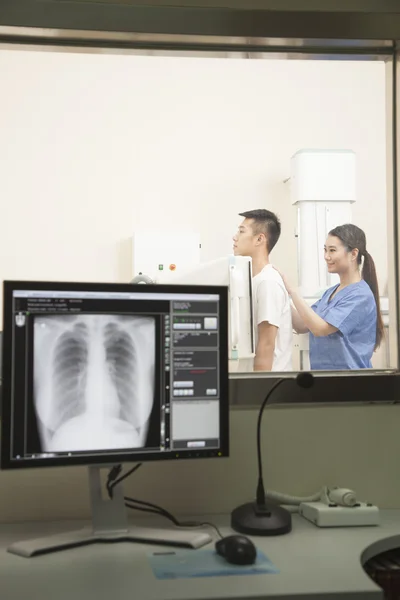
{"points": [[244, 241]]}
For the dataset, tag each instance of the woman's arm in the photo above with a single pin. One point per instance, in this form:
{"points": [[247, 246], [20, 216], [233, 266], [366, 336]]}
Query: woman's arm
{"points": [[303, 317], [298, 324], [314, 323]]}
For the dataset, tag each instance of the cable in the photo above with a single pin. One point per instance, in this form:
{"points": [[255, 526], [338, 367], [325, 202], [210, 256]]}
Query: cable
{"points": [[279, 498], [144, 509], [112, 480], [157, 509], [149, 507], [202, 524]]}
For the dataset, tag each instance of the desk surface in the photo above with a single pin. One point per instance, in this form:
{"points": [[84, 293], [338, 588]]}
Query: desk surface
{"points": [[313, 563]]}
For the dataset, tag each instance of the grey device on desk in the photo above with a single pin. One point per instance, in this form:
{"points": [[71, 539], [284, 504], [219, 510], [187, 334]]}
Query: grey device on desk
{"points": [[101, 374]]}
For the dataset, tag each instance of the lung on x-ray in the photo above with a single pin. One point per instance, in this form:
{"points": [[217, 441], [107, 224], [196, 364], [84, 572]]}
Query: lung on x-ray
{"points": [[93, 381]]}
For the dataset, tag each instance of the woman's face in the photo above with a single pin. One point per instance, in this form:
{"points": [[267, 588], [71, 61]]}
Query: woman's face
{"points": [[338, 259]]}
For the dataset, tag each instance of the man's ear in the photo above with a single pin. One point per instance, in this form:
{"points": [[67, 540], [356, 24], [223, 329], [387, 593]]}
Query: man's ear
{"points": [[261, 239]]}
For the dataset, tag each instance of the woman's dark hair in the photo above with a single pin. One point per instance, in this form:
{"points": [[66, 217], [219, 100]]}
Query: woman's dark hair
{"points": [[352, 237]]}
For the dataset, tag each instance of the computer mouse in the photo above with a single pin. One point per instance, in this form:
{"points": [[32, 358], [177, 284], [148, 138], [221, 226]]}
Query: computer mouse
{"points": [[237, 550]]}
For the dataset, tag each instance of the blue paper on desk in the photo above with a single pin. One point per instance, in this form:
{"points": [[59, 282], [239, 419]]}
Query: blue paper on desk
{"points": [[185, 564]]}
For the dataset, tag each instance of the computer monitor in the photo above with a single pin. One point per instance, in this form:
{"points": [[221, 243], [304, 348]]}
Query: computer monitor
{"points": [[101, 374], [236, 273]]}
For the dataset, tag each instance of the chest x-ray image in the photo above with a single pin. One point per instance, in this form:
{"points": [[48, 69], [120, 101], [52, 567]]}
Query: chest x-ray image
{"points": [[93, 381]]}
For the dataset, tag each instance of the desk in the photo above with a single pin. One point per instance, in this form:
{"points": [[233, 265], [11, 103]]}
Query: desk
{"points": [[314, 564]]}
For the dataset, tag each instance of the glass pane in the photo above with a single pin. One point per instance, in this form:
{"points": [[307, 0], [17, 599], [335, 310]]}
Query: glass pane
{"points": [[115, 165]]}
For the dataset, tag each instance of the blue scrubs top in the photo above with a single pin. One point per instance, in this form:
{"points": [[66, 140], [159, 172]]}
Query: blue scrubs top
{"points": [[353, 312]]}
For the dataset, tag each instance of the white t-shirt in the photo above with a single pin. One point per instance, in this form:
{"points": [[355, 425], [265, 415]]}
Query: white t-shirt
{"points": [[271, 303]]}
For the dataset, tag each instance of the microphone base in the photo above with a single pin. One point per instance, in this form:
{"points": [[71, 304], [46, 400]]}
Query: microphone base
{"points": [[264, 520]]}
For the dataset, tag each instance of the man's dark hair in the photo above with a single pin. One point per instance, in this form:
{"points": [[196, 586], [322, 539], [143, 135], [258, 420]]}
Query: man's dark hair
{"points": [[266, 222]]}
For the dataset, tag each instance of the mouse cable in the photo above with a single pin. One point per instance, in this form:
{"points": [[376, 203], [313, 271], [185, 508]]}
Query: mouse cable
{"points": [[113, 480], [141, 505], [157, 510]]}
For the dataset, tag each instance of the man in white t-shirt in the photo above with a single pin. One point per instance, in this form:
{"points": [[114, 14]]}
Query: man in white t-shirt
{"points": [[257, 235]]}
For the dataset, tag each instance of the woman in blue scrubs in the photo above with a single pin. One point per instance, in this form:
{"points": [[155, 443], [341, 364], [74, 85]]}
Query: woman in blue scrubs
{"points": [[345, 325]]}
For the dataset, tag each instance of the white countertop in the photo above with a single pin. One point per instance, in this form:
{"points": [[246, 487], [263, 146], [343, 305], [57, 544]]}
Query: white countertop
{"points": [[313, 563]]}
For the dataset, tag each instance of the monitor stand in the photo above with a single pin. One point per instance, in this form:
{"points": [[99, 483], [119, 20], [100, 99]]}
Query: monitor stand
{"points": [[109, 524]]}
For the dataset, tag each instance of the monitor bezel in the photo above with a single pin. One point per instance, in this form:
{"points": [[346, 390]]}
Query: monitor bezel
{"points": [[9, 286]]}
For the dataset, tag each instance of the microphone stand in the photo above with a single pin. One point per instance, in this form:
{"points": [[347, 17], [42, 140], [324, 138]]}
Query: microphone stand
{"points": [[260, 517]]}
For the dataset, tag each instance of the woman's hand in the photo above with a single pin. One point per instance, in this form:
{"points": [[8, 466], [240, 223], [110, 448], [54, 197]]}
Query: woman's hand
{"points": [[304, 318], [286, 283]]}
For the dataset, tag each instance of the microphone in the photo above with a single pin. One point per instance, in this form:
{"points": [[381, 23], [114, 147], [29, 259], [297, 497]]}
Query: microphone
{"points": [[259, 517]]}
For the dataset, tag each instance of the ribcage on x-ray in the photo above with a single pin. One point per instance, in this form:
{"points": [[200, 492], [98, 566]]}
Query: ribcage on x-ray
{"points": [[121, 358], [94, 380], [70, 362]]}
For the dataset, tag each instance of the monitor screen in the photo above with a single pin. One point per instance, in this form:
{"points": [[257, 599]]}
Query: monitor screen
{"points": [[107, 373]]}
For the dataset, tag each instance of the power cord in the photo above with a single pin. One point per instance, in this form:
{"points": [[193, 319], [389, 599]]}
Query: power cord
{"points": [[327, 495], [114, 479]]}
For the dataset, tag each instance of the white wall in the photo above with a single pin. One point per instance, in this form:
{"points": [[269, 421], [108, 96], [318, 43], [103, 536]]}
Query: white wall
{"points": [[303, 449], [94, 146]]}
